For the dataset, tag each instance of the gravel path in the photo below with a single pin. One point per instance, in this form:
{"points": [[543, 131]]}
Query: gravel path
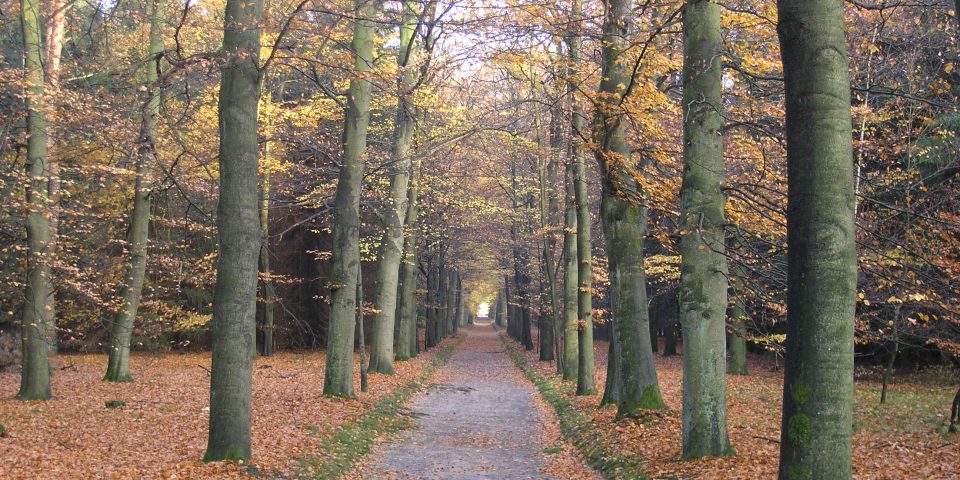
{"points": [[477, 422]]}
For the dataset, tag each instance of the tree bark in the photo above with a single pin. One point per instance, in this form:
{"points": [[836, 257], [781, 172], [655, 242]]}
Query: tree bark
{"points": [[702, 294], [549, 201], [235, 300], [118, 363], [670, 339], [586, 384], [571, 281], [817, 424], [737, 364], [954, 413], [338, 378], [547, 315], [407, 338], [36, 319], [433, 299], [442, 293], [360, 330], [624, 220], [269, 292], [391, 249], [55, 26], [613, 386]]}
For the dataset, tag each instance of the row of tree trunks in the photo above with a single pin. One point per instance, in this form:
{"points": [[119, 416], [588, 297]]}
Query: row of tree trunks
{"points": [[446, 302], [395, 212], [407, 343]]}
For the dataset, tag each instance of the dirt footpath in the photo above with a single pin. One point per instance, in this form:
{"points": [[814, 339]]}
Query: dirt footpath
{"points": [[478, 422]]}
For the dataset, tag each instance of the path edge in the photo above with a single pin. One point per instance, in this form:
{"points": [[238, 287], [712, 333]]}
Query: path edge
{"points": [[355, 439], [573, 424]]}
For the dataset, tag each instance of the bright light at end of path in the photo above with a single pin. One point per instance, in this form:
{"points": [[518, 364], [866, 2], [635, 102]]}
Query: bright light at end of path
{"points": [[483, 309]]}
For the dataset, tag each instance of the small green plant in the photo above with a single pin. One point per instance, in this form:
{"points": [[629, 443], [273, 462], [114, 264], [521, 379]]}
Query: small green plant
{"points": [[111, 404], [3, 431]]}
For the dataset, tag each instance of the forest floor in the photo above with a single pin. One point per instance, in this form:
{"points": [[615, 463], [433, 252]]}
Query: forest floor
{"points": [[905, 438], [467, 412], [161, 432], [481, 419]]}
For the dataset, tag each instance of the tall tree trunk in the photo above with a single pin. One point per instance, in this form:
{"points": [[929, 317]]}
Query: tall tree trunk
{"points": [[570, 279], [441, 328], [654, 336], [954, 413], [461, 314], [451, 305], [56, 23], [549, 207], [235, 300], [36, 320], [407, 338], [508, 307], [55, 26], [338, 378], [547, 319], [118, 363], [624, 219], [433, 299], [521, 263], [360, 329], [269, 292], [586, 384], [703, 265], [816, 439], [391, 250]]}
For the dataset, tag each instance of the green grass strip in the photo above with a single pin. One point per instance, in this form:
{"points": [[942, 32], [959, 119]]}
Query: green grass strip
{"points": [[354, 439], [576, 426]]}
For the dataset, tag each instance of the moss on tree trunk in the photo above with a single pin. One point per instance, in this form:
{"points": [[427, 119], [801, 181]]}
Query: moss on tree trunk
{"points": [[624, 219], [702, 295]]}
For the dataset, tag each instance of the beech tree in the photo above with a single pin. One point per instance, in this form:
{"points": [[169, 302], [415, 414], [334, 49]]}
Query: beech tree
{"points": [[817, 428], [118, 363], [395, 214], [338, 377], [36, 318], [703, 267], [407, 308], [238, 229], [578, 131], [624, 221]]}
